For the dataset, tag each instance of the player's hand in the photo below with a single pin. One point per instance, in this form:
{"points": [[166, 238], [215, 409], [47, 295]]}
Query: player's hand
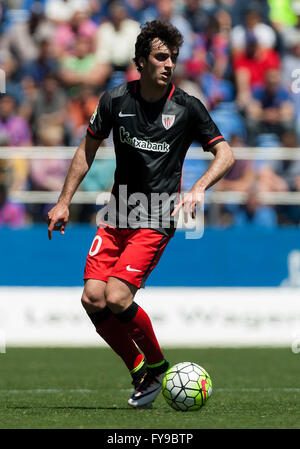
{"points": [[57, 219], [189, 202]]}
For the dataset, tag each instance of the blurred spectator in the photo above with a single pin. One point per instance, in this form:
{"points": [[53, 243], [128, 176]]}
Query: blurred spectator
{"points": [[99, 179], [254, 213], [49, 108], [282, 15], [196, 15], [100, 11], [241, 177], [210, 51], [47, 174], [291, 70], [22, 40], [14, 131], [61, 11], [229, 120], [11, 214], [80, 110], [288, 170], [271, 109], [148, 12], [250, 68], [8, 64], [192, 170], [116, 39], [79, 25], [253, 25], [83, 68], [225, 22], [239, 10], [283, 176], [217, 91], [45, 62], [211, 63], [140, 10], [29, 95], [289, 29], [166, 11], [290, 61], [193, 88]]}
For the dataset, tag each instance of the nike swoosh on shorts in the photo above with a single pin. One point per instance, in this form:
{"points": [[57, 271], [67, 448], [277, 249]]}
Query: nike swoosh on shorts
{"points": [[128, 268]]}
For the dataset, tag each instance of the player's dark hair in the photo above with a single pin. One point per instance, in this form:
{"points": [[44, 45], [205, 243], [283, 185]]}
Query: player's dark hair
{"points": [[160, 29]]}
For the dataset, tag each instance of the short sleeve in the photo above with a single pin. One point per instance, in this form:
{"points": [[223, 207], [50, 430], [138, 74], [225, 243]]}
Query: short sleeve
{"points": [[101, 121], [204, 129]]}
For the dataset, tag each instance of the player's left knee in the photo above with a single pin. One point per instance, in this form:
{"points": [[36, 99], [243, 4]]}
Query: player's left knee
{"points": [[116, 301]]}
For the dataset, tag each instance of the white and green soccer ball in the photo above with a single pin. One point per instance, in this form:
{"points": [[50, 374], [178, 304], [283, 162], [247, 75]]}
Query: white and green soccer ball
{"points": [[186, 386]]}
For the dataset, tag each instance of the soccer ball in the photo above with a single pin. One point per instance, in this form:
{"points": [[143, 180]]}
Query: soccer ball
{"points": [[186, 386]]}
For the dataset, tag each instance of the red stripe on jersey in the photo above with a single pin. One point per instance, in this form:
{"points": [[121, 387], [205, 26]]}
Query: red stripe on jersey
{"points": [[91, 131], [94, 134], [171, 93], [215, 138]]}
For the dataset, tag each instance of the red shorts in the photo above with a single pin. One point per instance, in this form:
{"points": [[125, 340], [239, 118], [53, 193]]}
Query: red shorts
{"points": [[129, 254]]}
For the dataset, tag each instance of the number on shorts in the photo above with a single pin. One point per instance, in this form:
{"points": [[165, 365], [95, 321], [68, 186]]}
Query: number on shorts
{"points": [[97, 239]]}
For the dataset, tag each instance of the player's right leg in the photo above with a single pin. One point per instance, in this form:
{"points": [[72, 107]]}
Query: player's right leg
{"points": [[141, 254], [111, 330], [135, 321], [103, 254]]}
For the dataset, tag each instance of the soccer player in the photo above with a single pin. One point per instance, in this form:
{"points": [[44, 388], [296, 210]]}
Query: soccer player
{"points": [[153, 125]]}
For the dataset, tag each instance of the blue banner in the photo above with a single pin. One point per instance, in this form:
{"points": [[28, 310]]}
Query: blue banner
{"points": [[232, 257]]}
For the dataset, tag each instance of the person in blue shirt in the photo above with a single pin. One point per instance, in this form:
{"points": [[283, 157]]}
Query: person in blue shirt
{"points": [[271, 109]]}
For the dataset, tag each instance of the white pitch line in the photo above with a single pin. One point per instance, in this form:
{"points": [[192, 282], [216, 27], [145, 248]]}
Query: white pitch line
{"points": [[128, 390], [258, 390], [49, 390], [243, 390]]}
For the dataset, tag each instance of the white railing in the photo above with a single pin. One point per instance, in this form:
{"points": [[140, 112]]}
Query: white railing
{"points": [[215, 197], [247, 153]]}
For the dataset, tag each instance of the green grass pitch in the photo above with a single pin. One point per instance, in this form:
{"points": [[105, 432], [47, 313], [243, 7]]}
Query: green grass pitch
{"points": [[73, 388]]}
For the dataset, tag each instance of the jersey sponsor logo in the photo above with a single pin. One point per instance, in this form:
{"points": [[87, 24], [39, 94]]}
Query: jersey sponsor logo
{"points": [[162, 147], [167, 121], [128, 268], [125, 115]]}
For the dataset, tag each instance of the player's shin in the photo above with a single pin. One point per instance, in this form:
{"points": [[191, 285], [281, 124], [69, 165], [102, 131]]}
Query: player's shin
{"points": [[137, 323], [111, 330]]}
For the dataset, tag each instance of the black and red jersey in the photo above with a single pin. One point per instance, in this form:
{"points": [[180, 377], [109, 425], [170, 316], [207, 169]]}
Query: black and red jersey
{"points": [[151, 141]]}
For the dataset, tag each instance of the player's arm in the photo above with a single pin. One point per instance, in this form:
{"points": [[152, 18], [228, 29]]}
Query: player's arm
{"points": [[222, 163], [58, 216]]}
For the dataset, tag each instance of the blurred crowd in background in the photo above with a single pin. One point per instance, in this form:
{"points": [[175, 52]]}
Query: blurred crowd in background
{"points": [[240, 58]]}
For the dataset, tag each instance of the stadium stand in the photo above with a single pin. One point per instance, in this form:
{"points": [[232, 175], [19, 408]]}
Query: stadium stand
{"points": [[239, 58]]}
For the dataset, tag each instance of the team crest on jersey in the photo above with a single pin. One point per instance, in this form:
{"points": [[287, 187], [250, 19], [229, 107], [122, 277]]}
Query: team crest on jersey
{"points": [[167, 120]]}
